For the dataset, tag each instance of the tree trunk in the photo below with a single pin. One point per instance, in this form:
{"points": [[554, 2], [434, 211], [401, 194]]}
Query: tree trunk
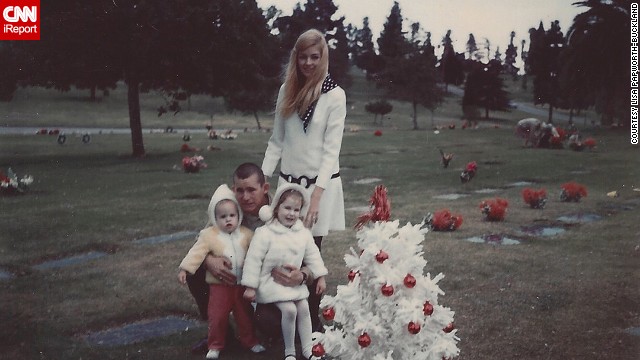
{"points": [[415, 115], [255, 114], [571, 115], [486, 112], [93, 93], [433, 123], [133, 97]]}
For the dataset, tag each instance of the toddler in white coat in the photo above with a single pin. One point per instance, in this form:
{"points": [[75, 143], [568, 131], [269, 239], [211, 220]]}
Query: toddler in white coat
{"points": [[285, 240]]}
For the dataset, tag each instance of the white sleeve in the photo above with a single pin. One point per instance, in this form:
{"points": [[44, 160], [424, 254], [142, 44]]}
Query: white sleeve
{"points": [[332, 141], [313, 259], [254, 259]]}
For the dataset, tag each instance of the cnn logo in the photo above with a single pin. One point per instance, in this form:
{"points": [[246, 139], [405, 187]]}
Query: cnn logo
{"points": [[20, 20], [14, 14]]}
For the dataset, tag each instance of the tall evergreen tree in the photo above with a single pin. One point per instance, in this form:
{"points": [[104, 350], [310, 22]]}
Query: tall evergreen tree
{"points": [[339, 63], [451, 63], [472, 48], [484, 89], [595, 67], [392, 42], [510, 56], [364, 54], [543, 59], [413, 76]]}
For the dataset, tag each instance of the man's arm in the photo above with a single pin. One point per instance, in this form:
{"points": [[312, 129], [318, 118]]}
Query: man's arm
{"points": [[220, 267], [289, 275]]}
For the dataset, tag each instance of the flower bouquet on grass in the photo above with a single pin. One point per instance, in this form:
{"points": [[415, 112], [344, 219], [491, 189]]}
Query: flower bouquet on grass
{"points": [[193, 164], [572, 192], [186, 148], [536, 199], [556, 142], [443, 220], [389, 309], [590, 143], [495, 209], [11, 184], [469, 172]]}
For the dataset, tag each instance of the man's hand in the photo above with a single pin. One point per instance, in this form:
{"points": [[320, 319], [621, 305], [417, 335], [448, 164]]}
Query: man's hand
{"points": [[219, 267], [287, 275], [249, 294], [182, 277]]}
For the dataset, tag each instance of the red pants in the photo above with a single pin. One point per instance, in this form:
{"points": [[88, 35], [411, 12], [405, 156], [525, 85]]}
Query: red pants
{"points": [[223, 300]]}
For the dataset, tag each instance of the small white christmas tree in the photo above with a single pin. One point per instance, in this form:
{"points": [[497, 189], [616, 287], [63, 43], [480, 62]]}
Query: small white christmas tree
{"points": [[389, 309]]}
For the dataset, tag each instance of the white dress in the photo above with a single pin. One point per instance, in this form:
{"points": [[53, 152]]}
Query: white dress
{"points": [[314, 153], [275, 245]]}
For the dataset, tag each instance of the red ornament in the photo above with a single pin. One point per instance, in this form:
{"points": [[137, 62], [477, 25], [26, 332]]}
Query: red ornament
{"points": [[328, 314], [409, 281], [387, 290], [364, 340], [427, 309], [449, 328], [352, 275], [413, 327], [381, 256], [317, 350]]}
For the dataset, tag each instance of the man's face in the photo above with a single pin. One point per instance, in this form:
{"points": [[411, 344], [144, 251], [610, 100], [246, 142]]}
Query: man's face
{"points": [[250, 194]]}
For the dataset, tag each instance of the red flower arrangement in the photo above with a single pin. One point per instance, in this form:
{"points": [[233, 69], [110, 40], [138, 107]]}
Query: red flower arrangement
{"points": [[494, 210], [556, 141], [469, 172], [572, 191], [193, 164], [443, 220], [186, 148], [381, 210], [537, 199], [589, 142], [377, 133]]}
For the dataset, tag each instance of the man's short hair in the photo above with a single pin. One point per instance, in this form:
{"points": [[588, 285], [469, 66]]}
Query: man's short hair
{"points": [[248, 169]]}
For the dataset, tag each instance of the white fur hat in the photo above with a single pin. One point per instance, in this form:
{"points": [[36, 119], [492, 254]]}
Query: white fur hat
{"points": [[266, 211], [222, 193]]}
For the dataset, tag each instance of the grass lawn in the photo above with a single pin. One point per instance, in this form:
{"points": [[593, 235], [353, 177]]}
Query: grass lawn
{"points": [[569, 296]]}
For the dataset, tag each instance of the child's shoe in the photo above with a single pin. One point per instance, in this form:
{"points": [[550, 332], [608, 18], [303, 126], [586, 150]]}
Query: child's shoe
{"points": [[258, 348], [213, 354]]}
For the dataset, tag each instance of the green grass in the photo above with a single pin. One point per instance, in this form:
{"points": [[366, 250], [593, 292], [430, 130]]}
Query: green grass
{"points": [[565, 297]]}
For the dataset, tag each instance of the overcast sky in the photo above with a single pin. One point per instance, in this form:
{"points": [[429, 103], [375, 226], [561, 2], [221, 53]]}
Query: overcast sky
{"points": [[492, 19]]}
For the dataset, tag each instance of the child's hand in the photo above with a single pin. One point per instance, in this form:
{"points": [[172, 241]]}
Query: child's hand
{"points": [[321, 286], [182, 277], [249, 294]]}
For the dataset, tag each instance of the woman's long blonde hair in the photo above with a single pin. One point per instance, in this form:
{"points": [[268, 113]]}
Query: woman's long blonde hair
{"points": [[299, 92]]}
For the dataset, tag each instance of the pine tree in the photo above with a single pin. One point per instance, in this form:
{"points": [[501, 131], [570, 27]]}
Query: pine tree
{"points": [[471, 46], [392, 43], [510, 56], [389, 309]]}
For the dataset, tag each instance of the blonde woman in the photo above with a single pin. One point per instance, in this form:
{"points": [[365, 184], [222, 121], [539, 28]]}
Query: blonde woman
{"points": [[306, 139]]}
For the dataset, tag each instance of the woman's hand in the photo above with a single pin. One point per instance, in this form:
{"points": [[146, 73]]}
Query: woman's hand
{"points": [[220, 267], [314, 208], [321, 286]]}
